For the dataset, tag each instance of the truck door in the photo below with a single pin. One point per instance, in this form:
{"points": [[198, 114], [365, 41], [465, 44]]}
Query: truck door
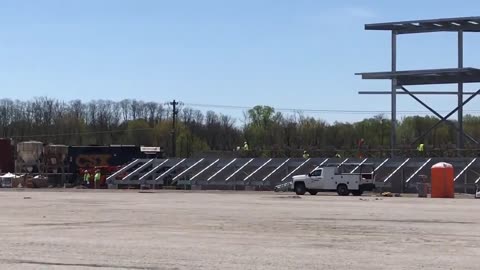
{"points": [[316, 178]]}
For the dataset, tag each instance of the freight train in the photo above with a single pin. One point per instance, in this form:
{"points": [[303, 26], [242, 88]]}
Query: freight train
{"points": [[79, 157]]}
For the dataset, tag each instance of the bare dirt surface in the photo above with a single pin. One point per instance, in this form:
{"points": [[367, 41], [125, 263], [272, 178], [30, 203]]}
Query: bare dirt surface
{"points": [[226, 230]]}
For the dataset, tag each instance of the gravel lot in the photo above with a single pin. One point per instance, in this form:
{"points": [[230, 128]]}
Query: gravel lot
{"points": [[226, 230]]}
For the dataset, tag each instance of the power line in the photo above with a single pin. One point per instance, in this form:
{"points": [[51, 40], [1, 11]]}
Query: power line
{"points": [[336, 111]]}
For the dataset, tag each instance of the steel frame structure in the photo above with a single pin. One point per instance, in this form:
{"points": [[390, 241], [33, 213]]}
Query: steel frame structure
{"points": [[267, 172], [400, 79]]}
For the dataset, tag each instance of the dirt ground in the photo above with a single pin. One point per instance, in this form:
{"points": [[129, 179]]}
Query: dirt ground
{"points": [[226, 230]]}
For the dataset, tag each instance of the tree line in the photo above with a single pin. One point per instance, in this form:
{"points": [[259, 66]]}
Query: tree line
{"points": [[267, 132]]}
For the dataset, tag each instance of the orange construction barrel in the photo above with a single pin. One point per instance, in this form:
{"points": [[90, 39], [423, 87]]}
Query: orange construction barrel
{"points": [[442, 180]]}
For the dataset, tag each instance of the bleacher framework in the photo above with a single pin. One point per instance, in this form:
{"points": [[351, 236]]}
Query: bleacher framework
{"points": [[393, 174]]}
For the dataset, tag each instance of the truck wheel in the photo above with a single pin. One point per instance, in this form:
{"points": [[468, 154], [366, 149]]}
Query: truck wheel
{"points": [[357, 192], [300, 189], [342, 190], [312, 192]]}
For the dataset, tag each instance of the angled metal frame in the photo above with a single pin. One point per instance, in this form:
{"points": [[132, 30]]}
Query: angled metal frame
{"points": [[276, 169], [188, 169], [343, 162], [257, 170], [169, 170], [128, 166], [223, 168], [464, 169], [442, 119], [204, 169], [143, 166], [296, 169], [321, 164], [418, 170], [396, 170], [239, 169], [381, 164], [153, 170], [358, 166]]}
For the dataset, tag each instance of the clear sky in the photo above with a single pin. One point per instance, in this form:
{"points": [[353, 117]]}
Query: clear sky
{"points": [[282, 53]]}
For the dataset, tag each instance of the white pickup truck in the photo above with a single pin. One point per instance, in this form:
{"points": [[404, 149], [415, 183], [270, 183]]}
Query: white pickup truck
{"points": [[344, 179]]}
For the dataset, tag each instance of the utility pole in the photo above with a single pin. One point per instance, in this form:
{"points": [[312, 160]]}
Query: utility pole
{"points": [[174, 104]]}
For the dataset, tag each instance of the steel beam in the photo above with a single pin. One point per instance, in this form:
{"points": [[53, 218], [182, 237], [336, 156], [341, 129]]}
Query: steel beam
{"points": [[276, 169], [188, 169], [464, 169], [418, 170], [239, 169], [206, 168], [361, 163], [414, 92], [138, 169], [321, 164], [343, 162], [258, 169], [223, 168], [131, 164], [169, 170], [396, 170], [296, 169], [381, 164], [153, 170]]}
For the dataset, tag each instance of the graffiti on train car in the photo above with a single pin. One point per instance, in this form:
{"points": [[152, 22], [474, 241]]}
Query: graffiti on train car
{"points": [[92, 160]]}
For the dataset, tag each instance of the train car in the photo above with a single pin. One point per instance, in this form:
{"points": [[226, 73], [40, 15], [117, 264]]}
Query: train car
{"points": [[7, 159], [86, 157]]}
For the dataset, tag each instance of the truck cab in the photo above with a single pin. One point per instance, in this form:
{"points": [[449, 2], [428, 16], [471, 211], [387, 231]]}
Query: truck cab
{"points": [[343, 179]]}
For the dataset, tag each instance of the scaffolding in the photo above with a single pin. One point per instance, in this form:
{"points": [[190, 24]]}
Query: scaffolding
{"points": [[401, 79]]}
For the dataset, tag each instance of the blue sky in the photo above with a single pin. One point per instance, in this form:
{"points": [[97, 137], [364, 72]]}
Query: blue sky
{"points": [[286, 54]]}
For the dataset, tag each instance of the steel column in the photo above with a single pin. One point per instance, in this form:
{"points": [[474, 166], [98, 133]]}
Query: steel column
{"points": [[460, 141], [393, 135]]}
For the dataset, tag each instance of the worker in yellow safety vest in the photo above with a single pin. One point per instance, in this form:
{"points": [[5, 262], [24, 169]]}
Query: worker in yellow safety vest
{"points": [[421, 149], [97, 177], [86, 178], [245, 146]]}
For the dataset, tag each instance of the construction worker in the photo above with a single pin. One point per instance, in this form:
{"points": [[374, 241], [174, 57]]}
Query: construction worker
{"points": [[97, 178], [86, 178], [245, 146], [305, 155], [421, 149]]}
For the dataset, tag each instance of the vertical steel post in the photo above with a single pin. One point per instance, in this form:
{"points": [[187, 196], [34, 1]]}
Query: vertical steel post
{"points": [[460, 139], [393, 135]]}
